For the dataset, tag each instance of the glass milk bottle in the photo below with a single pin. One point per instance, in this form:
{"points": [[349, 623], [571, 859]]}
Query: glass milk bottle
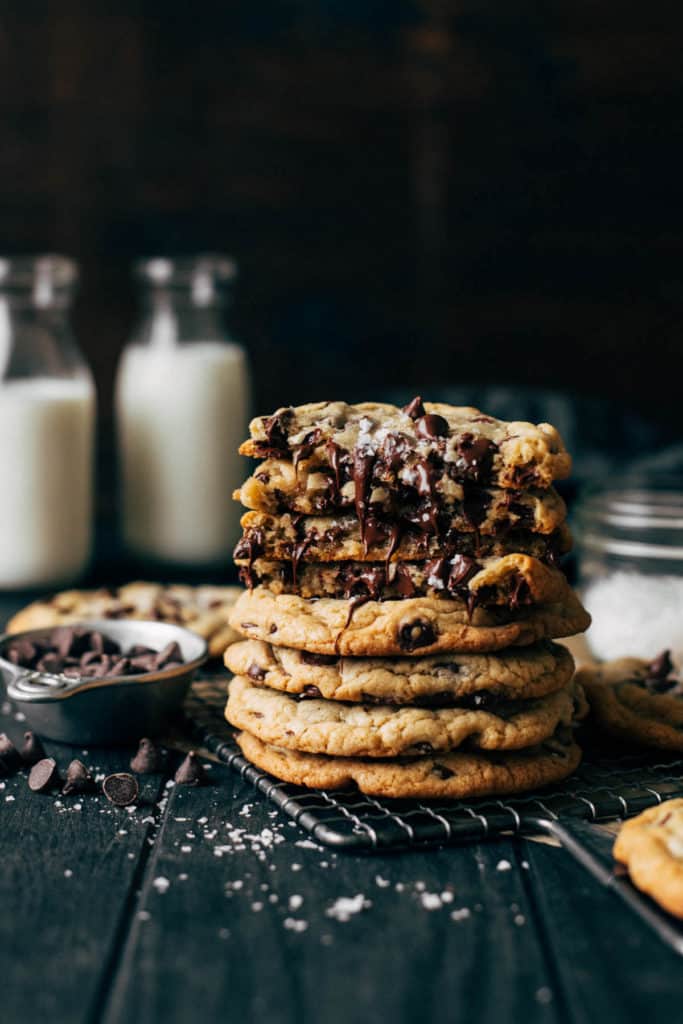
{"points": [[47, 423], [182, 402]]}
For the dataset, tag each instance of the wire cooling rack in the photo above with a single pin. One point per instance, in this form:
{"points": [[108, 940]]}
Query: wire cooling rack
{"points": [[604, 788]]}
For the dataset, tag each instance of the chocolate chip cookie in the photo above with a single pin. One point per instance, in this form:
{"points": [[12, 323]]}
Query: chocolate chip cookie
{"points": [[278, 486], [443, 776], [376, 444], [429, 625], [512, 581], [331, 727], [203, 609], [517, 674], [651, 847], [637, 701]]}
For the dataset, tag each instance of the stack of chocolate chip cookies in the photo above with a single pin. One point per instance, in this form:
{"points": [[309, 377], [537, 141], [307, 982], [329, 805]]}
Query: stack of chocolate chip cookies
{"points": [[403, 592]]}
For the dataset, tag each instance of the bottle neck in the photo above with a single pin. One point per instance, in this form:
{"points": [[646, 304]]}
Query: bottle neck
{"points": [[171, 319]]}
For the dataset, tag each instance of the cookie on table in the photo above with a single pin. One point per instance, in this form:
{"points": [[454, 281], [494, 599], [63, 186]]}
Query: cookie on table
{"points": [[376, 444], [330, 727], [429, 625], [444, 776], [521, 673], [203, 609], [651, 847], [513, 581], [637, 701]]}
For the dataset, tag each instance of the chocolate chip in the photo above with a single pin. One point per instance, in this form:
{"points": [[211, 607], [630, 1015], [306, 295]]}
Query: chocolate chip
{"points": [[44, 775], [661, 666], [190, 772], [78, 779], [52, 663], [256, 673], [171, 652], [10, 758], [414, 409], [309, 658], [413, 635], [475, 455], [310, 692], [431, 426], [148, 759], [423, 748], [121, 789], [442, 771], [32, 749]]}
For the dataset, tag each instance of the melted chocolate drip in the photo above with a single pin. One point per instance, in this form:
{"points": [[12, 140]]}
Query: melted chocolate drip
{"points": [[305, 449], [363, 462], [333, 457], [354, 603], [404, 584], [475, 455], [520, 593], [298, 552], [276, 435]]}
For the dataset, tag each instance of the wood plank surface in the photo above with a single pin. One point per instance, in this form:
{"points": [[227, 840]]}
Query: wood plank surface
{"points": [[259, 924], [610, 965], [69, 867]]}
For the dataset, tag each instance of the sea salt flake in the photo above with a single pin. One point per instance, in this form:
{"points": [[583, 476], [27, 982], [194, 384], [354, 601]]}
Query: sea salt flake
{"points": [[9, 798], [431, 901], [257, 906], [161, 884], [186, 849], [295, 902], [461, 914], [68, 873], [503, 865], [295, 925], [344, 908], [382, 883]]}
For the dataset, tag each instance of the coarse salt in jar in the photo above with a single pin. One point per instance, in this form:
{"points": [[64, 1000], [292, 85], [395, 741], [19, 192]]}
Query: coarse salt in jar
{"points": [[631, 568]]}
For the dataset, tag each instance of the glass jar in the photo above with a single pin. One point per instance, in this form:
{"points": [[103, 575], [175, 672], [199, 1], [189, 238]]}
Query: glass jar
{"points": [[631, 568], [182, 403], [47, 423]]}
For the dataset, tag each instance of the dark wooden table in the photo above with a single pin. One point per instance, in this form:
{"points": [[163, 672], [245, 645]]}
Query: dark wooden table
{"points": [[209, 905]]}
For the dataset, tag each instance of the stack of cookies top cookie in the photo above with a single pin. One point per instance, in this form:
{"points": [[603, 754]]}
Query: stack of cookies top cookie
{"points": [[403, 590]]}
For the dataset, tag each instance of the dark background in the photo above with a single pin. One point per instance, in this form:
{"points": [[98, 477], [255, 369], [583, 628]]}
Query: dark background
{"points": [[419, 194]]}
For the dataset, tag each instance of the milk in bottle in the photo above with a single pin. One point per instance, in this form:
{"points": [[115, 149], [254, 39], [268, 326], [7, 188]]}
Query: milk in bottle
{"points": [[47, 422], [182, 401]]}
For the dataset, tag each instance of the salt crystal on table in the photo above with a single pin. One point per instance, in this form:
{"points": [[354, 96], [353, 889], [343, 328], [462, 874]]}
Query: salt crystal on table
{"points": [[382, 883], [161, 884], [345, 907], [503, 865], [295, 901], [294, 925], [430, 900], [460, 915]]}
